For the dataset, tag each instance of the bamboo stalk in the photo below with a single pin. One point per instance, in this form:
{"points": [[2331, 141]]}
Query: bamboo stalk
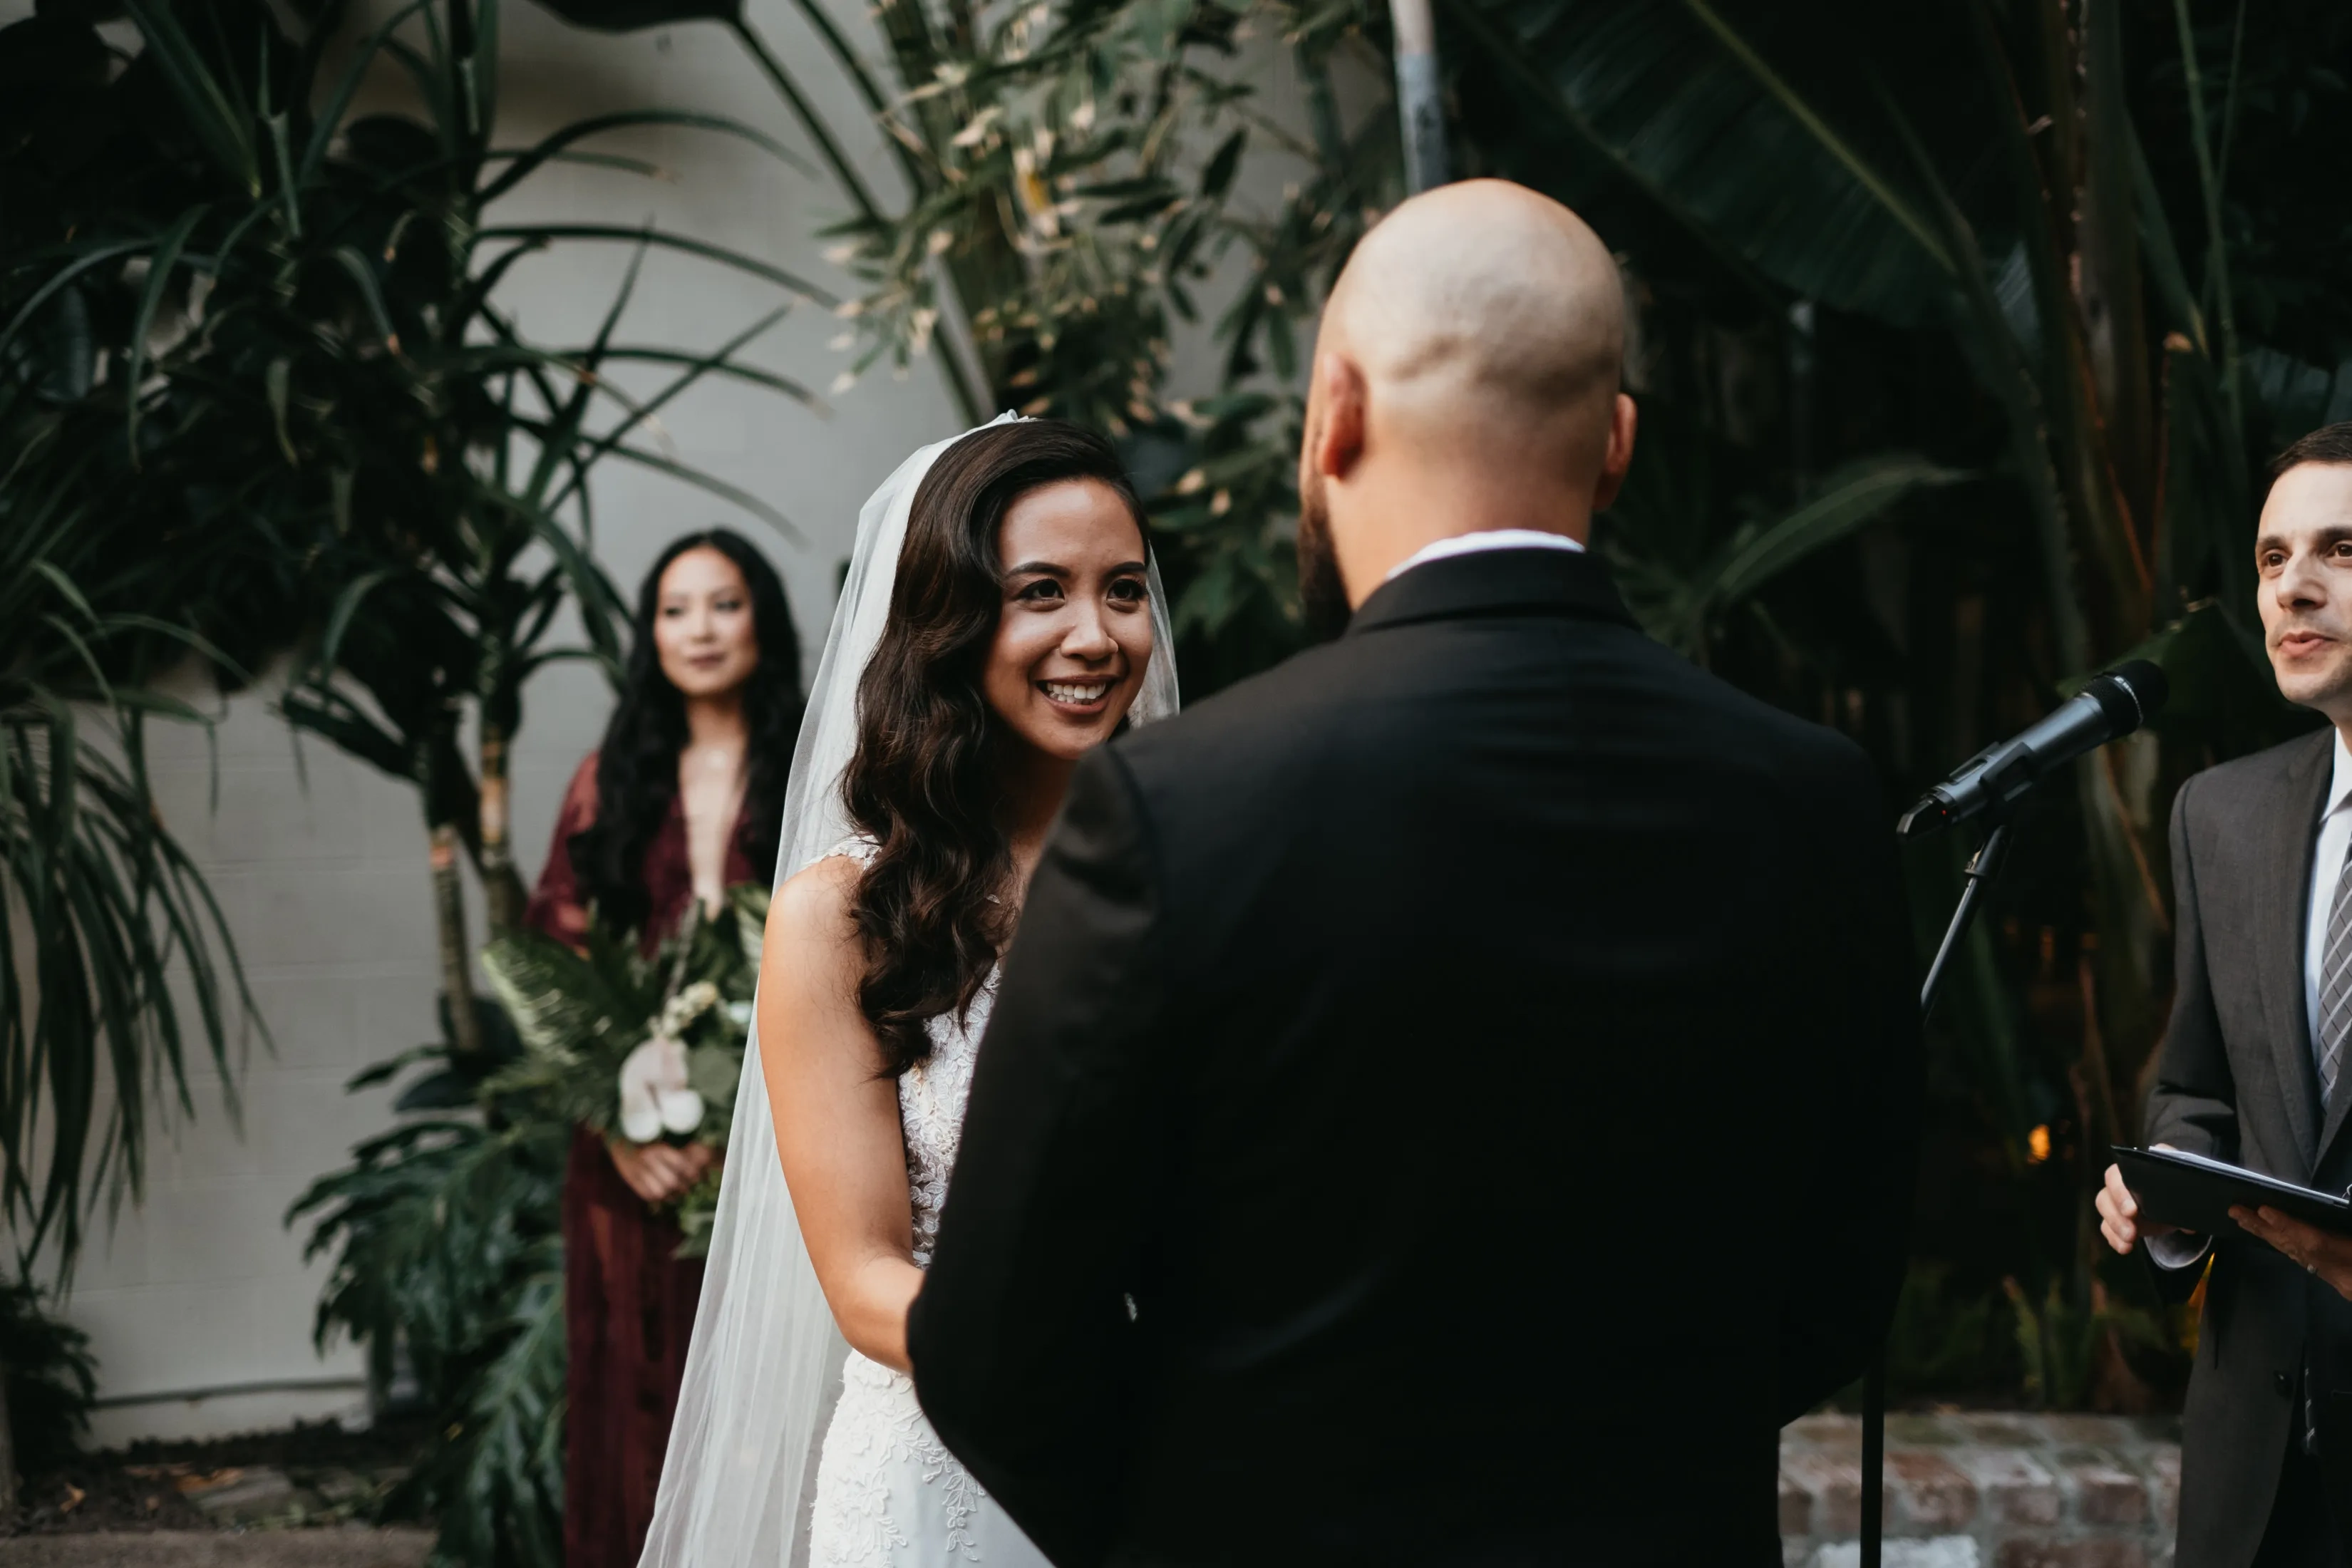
{"points": [[500, 884], [8, 1451], [449, 918]]}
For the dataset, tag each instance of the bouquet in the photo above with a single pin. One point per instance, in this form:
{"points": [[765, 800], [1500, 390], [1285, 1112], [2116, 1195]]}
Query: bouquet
{"points": [[646, 1048]]}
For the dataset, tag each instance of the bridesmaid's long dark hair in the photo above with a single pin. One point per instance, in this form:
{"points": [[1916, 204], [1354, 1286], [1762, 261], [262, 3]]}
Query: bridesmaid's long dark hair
{"points": [[636, 767], [924, 783]]}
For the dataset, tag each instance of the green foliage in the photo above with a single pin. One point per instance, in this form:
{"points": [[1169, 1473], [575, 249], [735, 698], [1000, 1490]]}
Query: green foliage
{"points": [[98, 903], [447, 1231], [447, 1238], [52, 1379], [303, 302], [1947, 1341], [1073, 176], [1870, 242], [256, 391], [2059, 1341], [1683, 601]]}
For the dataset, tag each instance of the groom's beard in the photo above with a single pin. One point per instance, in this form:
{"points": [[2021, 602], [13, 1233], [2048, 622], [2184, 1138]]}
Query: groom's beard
{"points": [[1322, 596]]}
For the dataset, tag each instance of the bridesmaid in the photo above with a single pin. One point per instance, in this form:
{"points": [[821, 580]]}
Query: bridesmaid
{"points": [[682, 800]]}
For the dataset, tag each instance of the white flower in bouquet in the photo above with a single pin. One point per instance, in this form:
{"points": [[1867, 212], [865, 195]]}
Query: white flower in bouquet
{"points": [[689, 1003], [655, 1095]]}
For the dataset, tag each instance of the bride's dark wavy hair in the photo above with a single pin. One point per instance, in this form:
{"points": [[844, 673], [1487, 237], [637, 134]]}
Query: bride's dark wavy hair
{"points": [[636, 766], [925, 783]]}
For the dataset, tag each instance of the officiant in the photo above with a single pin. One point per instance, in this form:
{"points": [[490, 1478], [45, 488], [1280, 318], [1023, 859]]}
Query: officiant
{"points": [[2254, 1064]]}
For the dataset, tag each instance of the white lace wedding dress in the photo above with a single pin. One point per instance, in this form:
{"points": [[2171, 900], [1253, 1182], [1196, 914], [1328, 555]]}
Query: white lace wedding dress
{"points": [[887, 1490], [766, 1468]]}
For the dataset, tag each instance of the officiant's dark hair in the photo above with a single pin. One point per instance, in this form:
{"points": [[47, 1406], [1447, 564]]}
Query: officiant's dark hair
{"points": [[924, 783]]}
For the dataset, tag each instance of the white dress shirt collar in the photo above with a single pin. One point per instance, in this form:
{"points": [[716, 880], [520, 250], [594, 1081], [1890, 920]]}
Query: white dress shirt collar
{"points": [[1485, 538], [2339, 787], [2326, 873]]}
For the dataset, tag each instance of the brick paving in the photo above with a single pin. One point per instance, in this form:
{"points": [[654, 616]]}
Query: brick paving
{"points": [[1987, 1490]]}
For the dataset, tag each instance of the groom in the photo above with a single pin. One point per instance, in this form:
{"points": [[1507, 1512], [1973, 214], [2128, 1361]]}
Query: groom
{"points": [[1452, 1097]]}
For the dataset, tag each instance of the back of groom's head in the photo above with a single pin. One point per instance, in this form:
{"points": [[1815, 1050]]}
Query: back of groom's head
{"points": [[1465, 378]]}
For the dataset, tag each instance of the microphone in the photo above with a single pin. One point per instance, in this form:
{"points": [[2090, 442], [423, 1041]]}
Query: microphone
{"points": [[2109, 708]]}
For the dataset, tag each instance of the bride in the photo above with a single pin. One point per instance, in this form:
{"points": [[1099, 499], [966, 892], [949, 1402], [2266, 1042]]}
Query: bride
{"points": [[1001, 617]]}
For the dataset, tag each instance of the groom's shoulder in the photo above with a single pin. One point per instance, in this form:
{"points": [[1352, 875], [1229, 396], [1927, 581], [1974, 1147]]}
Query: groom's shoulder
{"points": [[1358, 690], [1257, 722]]}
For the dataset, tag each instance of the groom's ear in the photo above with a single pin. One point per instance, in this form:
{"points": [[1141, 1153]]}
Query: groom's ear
{"points": [[1337, 440], [1618, 456]]}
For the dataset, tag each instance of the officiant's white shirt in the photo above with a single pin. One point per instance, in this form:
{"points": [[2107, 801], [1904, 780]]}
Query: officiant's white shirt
{"points": [[1485, 538], [2326, 874]]}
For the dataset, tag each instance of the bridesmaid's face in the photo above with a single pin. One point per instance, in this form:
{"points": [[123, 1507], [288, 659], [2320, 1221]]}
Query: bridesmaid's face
{"points": [[702, 624], [1074, 634]]}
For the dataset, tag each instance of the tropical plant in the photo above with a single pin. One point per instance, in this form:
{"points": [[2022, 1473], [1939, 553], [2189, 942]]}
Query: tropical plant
{"points": [[260, 391], [1071, 179], [50, 1383], [446, 1233], [98, 901], [2041, 204], [312, 317], [101, 603], [1684, 577]]}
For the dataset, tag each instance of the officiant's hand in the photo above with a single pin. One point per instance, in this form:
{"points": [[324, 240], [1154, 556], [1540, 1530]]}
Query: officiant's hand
{"points": [[659, 1173], [2119, 1219], [2321, 1253]]}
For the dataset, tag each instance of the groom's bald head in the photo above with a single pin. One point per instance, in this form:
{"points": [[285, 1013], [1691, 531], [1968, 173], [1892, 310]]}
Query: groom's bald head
{"points": [[1465, 378], [1483, 303]]}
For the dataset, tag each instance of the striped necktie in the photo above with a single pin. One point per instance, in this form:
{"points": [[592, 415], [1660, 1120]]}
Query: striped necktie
{"points": [[2335, 988]]}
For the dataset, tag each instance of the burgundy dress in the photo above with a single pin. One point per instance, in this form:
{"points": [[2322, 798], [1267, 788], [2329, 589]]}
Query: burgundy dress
{"points": [[628, 1298]]}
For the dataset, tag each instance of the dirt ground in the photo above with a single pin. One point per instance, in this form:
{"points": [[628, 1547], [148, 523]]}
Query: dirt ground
{"points": [[348, 1547], [306, 1476]]}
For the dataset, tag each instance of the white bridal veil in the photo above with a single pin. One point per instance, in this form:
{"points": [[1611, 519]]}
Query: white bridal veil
{"points": [[764, 1368]]}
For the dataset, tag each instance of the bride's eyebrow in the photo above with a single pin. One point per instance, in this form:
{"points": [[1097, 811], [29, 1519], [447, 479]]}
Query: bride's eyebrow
{"points": [[1047, 569]]}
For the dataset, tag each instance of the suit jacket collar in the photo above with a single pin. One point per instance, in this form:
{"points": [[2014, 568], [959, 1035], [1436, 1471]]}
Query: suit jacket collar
{"points": [[1494, 582], [2289, 834]]}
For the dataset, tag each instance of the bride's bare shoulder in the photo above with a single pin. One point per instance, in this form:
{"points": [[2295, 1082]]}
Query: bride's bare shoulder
{"points": [[812, 906]]}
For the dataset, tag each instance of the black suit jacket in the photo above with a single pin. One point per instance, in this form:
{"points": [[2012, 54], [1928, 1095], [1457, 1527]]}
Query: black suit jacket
{"points": [[1450, 1100], [2235, 1080]]}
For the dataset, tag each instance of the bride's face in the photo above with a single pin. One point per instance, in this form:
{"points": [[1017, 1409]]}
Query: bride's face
{"points": [[1074, 634]]}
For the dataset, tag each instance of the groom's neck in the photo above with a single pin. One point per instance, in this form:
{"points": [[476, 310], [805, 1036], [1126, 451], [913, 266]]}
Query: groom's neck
{"points": [[1389, 520]]}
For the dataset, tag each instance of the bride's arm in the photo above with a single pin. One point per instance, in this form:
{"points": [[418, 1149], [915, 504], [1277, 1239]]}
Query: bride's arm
{"points": [[836, 1116]]}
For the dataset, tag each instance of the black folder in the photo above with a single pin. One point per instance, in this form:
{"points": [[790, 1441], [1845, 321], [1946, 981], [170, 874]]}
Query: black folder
{"points": [[2175, 1187]]}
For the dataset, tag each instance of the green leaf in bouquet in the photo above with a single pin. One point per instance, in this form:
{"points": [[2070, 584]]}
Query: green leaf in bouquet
{"points": [[751, 904], [713, 1072], [562, 1004], [698, 1212]]}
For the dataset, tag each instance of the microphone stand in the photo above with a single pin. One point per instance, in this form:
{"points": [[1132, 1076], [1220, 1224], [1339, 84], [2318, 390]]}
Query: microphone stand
{"points": [[1983, 866]]}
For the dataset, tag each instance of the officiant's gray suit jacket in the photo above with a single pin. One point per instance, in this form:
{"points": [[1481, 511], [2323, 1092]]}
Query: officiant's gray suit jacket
{"points": [[2235, 1080]]}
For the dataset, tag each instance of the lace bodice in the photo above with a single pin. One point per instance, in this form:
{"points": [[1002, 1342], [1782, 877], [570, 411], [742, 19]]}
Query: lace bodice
{"points": [[931, 1096]]}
